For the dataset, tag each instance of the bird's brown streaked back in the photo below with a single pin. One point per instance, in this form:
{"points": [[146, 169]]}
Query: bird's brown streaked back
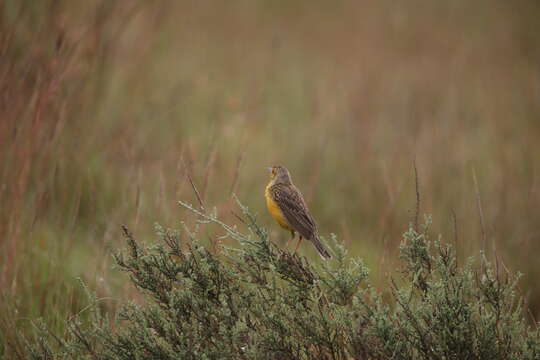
{"points": [[288, 207], [293, 206]]}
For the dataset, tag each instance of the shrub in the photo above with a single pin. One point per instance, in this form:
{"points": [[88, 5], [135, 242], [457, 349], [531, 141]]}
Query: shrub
{"points": [[260, 302]]}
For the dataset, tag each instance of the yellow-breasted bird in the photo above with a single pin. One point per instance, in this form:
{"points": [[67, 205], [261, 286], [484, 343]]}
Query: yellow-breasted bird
{"points": [[288, 207]]}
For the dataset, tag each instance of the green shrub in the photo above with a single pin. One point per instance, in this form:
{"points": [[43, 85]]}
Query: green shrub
{"points": [[260, 302]]}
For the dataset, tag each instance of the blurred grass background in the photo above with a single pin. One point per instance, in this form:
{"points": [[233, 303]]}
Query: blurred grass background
{"points": [[107, 106]]}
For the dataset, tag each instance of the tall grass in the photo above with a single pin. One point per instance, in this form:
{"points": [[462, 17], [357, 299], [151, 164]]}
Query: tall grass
{"points": [[107, 107]]}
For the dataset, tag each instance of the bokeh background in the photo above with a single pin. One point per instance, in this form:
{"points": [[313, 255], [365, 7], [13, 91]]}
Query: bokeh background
{"points": [[107, 106]]}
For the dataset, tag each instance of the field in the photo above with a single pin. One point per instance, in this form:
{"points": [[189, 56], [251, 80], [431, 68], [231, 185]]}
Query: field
{"points": [[107, 109]]}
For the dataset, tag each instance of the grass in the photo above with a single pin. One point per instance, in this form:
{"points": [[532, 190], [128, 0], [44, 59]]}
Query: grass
{"points": [[108, 107]]}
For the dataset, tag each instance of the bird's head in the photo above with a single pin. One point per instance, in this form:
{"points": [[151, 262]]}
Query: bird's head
{"points": [[280, 175]]}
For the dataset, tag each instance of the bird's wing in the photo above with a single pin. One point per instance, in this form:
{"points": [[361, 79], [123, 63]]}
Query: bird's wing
{"points": [[293, 207]]}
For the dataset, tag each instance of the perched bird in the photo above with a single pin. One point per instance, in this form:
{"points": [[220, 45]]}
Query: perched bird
{"points": [[287, 206]]}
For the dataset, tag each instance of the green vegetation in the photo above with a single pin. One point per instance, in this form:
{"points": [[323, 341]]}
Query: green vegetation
{"points": [[107, 108], [260, 302]]}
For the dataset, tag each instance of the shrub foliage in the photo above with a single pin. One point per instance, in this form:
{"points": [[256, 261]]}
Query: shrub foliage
{"points": [[257, 301]]}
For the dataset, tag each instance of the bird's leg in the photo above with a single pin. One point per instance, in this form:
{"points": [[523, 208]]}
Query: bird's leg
{"points": [[289, 241], [298, 243]]}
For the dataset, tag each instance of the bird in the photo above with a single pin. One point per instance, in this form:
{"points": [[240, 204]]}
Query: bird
{"points": [[287, 206]]}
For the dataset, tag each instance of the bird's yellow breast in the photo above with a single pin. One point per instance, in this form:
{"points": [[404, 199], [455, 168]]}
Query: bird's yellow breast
{"points": [[274, 210]]}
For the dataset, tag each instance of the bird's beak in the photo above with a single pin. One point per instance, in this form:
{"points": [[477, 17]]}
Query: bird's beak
{"points": [[269, 169]]}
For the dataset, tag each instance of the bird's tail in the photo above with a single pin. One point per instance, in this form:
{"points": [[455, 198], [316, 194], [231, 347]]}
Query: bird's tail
{"points": [[320, 247]]}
